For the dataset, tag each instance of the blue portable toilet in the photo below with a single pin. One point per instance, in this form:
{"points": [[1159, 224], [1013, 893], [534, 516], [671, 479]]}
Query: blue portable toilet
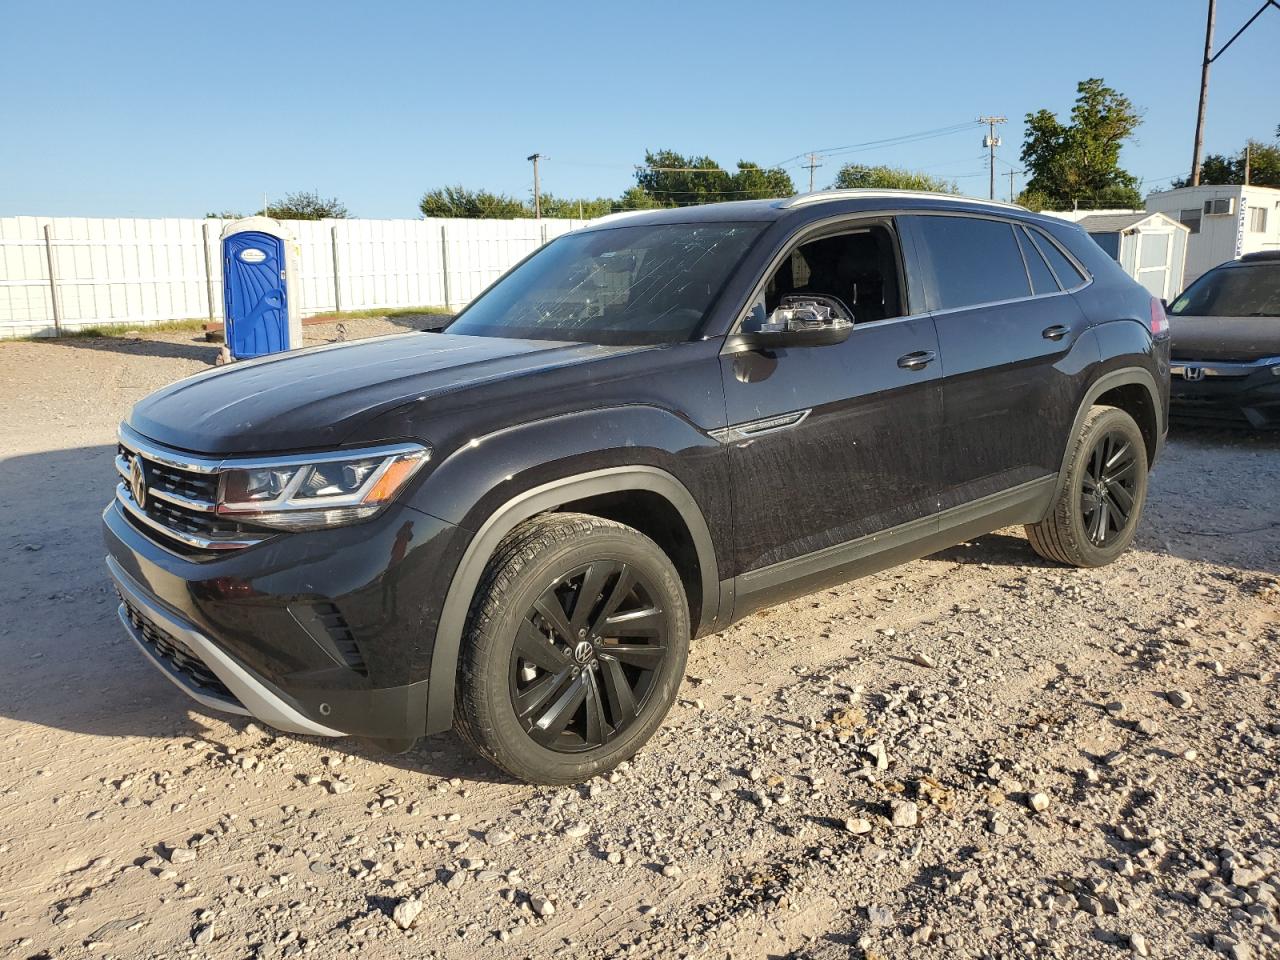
{"points": [[259, 259]]}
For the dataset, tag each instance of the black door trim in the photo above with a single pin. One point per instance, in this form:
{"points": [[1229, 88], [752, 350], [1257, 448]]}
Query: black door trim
{"points": [[1025, 503]]}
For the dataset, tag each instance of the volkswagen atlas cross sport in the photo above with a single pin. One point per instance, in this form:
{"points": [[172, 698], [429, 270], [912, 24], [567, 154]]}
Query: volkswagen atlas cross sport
{"points": [[644, 431]]}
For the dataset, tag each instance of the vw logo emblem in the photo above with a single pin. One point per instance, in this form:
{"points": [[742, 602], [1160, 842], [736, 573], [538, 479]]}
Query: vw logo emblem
{"points": [[138, 482], [583, 651], [1193, 373]]}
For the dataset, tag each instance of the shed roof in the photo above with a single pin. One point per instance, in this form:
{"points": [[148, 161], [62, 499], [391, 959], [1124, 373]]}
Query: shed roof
{"points": [[1117, 222], [1112, 222]]}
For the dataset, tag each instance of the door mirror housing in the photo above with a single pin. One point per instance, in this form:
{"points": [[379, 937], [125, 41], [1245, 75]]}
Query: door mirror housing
{"points": [[796, 322]]}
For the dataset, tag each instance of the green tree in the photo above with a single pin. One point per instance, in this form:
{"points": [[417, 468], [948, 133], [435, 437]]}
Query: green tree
{"points": [[669, 179], [457, 201], [568, 207], [306, 205], [1264, 167], [636, 199], [854, 175], [760, 183], [1078, 163]]}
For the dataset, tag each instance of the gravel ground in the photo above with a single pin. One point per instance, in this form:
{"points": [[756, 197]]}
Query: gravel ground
{"points": [[977, 754]]}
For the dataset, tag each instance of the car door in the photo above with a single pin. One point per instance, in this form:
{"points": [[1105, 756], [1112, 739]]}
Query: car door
{"points": [[834, 443], [1006, 331]]}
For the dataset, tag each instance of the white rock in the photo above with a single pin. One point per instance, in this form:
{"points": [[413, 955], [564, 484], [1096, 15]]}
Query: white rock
{"points": [[406, 912], [879, 916], [903, 813], [878, 754]]}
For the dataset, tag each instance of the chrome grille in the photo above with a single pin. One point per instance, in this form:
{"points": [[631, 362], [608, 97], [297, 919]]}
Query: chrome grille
{"points": [[179, 506], [190, 486]]}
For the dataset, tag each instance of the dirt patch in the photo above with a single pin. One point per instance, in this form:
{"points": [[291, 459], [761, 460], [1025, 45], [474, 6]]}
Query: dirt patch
{"points": [[977, 754]]}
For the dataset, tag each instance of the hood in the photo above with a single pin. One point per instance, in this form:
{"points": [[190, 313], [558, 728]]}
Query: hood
{"points": [[315, 398], [1224, 338]]}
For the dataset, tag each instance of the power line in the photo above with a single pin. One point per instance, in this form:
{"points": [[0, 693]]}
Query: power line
{"points": [[883, 142]]}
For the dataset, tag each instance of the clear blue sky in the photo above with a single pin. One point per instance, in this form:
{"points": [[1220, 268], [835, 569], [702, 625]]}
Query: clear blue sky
{"points": [[175, 109]]}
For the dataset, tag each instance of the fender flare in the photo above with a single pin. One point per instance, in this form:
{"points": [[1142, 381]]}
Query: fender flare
{"points": [[540, 499], [1125, 376]]}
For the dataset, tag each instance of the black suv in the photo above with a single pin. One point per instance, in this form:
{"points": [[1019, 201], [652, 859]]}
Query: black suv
{"points": [[644, 431]]}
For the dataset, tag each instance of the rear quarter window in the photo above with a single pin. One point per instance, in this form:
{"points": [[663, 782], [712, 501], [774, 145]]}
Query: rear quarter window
{"points": [[1068, 275], [1042, 279], [970, 260]]}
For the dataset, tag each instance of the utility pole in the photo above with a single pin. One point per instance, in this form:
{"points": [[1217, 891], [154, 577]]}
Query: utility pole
{"points": [[1011, 173], [991, 141], [1209, 57], [1246, 163], [1204, 92], [537, 189], [813, 164]]}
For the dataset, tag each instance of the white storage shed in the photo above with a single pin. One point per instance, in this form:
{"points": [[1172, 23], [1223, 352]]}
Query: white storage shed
{"points": [[1151, 247]]}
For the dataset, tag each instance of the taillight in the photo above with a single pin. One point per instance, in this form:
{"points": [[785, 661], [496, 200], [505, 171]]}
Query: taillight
{"points": [[1159, 319]]}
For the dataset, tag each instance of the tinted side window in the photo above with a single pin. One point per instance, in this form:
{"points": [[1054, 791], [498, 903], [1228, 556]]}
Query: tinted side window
{"points": [[972, 261], [1067, 273], [1042, 280]]}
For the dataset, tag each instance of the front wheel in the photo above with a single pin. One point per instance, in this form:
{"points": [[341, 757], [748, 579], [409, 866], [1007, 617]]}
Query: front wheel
{"points": [[575, 647], [1095, 515]]}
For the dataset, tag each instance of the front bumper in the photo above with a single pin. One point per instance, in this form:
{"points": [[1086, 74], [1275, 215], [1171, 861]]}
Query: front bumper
{"points": [[1227, 394], [187, 657], [253, 632]]}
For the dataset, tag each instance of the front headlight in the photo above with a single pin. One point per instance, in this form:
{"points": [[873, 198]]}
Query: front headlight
{"points": [[323, 490]]}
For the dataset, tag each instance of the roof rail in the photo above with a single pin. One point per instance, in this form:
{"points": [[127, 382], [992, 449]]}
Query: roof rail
{"points": [[618, 215], [863, 193]]}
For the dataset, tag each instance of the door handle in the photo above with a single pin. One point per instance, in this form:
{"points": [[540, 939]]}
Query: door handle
{"points": [[917, 360], [1056, 332]]}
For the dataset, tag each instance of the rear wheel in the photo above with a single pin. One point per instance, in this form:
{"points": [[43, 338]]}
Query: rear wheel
{"points": [[1096, 514], [575, 647]]}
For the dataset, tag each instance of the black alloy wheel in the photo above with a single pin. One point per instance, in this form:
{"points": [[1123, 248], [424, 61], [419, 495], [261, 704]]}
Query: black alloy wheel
{"points": [[1108, 488], [1098, 502], [585, 656]]}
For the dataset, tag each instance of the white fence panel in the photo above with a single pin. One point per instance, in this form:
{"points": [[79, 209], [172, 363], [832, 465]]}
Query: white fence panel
{"points": [[134, 272]]}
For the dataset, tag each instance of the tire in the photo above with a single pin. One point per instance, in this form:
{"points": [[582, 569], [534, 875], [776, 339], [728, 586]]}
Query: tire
{"points": [[1088, 525], [525, 661]]}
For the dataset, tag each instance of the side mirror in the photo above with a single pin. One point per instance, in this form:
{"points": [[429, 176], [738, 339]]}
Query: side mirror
{"points": [[796, 323]]}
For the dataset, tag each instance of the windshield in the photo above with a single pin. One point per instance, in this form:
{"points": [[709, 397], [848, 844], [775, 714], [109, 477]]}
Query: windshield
{"points": [[1232, 292], [627, 285]]}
